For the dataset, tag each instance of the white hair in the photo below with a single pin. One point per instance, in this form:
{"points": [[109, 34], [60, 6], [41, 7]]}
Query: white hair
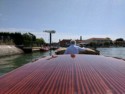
{"points": [[72, 42]]}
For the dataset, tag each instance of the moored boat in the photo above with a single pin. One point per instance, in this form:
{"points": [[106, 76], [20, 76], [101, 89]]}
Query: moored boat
{"points": [[54, 48], [44, 49]]}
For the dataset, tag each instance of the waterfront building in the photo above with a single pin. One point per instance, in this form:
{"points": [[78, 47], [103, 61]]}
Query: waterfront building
{"points": [[64, 42], [97, 41]]}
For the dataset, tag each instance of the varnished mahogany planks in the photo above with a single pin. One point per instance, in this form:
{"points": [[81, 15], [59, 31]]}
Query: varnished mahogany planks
{"points": [[63, 74]]}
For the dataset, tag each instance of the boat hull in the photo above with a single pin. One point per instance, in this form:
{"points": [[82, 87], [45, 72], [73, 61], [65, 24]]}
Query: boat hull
{"points": [[67, 74]]}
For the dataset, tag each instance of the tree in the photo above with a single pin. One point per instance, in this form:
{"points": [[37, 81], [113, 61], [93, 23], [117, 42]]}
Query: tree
{"points": [[93, 44], [119, 42], [32, 36], [18, 38], [119, 39], [40, 41], [27, 39], [107, 44]]}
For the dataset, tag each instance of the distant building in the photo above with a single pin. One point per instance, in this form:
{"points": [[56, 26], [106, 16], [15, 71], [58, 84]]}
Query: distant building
{"points": [[98, 40], [64, 42], [80, 37]]}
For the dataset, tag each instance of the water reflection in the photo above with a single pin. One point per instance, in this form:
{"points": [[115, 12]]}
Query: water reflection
{"points": [[12, 62], [113, 52], [6, 64]]}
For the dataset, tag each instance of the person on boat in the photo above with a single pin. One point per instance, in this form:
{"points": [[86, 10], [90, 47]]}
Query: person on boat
{"points": [[73, 48]]}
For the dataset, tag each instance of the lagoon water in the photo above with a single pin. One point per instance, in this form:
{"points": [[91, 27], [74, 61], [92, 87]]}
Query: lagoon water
{"points": [[113, 52], [10, 63]]}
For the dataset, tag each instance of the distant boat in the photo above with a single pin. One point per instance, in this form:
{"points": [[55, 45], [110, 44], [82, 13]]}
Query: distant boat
{"points": [[54, 48], [44, 49]]}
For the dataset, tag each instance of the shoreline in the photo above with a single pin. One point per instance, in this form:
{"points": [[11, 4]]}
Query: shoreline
{"points": [[9, 50]]}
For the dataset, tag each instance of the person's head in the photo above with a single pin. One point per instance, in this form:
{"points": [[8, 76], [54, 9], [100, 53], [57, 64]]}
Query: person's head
{"points": [[73, 42]]}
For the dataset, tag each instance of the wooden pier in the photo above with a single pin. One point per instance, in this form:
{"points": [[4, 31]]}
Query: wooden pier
{"points": [[65, 74]]}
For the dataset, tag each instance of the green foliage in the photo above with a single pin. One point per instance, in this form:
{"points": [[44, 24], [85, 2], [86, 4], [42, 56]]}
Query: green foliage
{"points": [[93, 44], [26, 39], [119, 39], [119, 42], [18, 39], [6, 37], [106, 44], [40, 41], [33, 37]]}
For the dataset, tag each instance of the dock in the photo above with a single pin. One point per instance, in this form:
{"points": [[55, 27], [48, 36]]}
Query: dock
{"points": [[67, 74]]}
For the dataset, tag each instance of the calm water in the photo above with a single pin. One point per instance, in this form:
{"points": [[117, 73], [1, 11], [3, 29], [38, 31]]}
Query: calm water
{"points": [[113, 52], [10, 63]]}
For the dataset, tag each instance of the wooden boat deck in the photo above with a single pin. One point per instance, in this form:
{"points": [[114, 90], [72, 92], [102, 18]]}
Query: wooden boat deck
{"points": [[62, 74]]}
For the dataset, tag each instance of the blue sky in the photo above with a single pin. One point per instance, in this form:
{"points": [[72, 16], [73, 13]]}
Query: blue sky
{"points": [[69, 18]]}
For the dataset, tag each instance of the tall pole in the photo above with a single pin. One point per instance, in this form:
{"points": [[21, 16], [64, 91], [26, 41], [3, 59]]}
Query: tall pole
{"points": [[50, 39], [50, 33]]}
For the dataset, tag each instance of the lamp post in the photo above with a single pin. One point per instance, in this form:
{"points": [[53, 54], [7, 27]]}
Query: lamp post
{"points": [[50, 32]]}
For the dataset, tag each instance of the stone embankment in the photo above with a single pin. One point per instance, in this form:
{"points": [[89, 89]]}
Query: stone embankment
{"points": [[8, 50]]}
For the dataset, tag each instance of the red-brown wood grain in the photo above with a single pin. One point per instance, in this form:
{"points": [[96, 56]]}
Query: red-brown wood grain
{"points": [[62, 74]]}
